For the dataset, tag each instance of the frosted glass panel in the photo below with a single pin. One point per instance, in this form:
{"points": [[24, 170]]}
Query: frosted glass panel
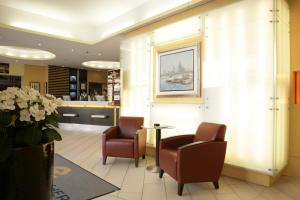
{"points": [[238, 80], [180, 29], [136, 74], [282, 85], [185, 118]]}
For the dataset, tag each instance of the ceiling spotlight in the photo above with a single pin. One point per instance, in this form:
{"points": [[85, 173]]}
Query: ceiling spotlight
{"points": [[39, 44], [99, 54], [101, 64], [72, 50], [25, 53]]}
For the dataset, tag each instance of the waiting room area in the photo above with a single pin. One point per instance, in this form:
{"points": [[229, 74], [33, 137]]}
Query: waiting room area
{"points": [[84, 147]]}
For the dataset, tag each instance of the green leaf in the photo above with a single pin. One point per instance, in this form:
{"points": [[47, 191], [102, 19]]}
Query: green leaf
{"points": [[5, 118], [52, 120], [52, 134], [29, 136]]}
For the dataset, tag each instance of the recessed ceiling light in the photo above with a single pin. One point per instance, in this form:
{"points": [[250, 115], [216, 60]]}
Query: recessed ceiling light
{"points": [[25, 53], [72, 50], [99, 54], [39, 44], [101, 64]]}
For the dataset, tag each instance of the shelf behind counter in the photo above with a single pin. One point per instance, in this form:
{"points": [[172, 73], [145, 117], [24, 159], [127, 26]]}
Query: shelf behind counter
{"points": [[89, 112]]}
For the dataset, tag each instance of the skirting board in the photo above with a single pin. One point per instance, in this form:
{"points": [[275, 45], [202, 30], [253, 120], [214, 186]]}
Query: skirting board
{"points": [[249, 175], [238, 172]]}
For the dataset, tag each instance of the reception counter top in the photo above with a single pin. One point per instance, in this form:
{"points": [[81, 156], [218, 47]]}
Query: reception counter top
{"points": [[89, 112], [89, 104]]}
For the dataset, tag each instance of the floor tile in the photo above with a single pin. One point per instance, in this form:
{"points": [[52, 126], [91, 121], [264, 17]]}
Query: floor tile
{"points": [[84, 148]]}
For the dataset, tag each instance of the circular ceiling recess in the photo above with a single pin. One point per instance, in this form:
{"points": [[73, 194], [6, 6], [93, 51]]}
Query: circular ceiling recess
{"points": [[101, 64], [25, 53]]}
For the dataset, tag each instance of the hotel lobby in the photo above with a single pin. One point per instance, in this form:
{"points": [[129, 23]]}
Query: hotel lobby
{"points": [[151, 99]]}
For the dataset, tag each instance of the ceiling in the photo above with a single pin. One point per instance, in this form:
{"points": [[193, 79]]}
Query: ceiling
{"points": [[78, 31], [68, 53], [91, 12]]}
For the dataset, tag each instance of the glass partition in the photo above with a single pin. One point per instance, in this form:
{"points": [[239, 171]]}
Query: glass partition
{"points": [[241, 82]]}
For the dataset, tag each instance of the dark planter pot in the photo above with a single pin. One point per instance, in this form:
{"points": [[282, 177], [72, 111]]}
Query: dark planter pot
{"points": [[27, 174]]}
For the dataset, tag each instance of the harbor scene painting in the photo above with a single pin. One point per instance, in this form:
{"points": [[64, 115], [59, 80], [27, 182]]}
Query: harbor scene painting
{"points": [[178, 71]]}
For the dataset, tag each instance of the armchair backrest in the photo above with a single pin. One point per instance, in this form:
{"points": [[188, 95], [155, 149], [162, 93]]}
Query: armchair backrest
{"points": [[129, 125], [210, 132]]}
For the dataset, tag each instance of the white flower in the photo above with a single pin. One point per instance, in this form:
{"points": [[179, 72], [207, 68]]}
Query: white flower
{"points": [[22, 103], [59, 101], [25, 115], [48, 106], [37, 113], [6, 96], [8, 105], [22, 94], [30, 103]]}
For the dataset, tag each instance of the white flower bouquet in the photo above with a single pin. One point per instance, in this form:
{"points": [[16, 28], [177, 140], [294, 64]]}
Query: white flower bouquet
{"points": [[26, 118]]}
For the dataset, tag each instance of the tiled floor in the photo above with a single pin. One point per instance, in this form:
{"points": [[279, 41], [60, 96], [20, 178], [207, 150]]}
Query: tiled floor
{"points": [[84, 148]]}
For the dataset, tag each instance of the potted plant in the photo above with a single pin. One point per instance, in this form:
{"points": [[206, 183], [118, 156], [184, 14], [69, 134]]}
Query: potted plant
{"points": [[28, 127]]}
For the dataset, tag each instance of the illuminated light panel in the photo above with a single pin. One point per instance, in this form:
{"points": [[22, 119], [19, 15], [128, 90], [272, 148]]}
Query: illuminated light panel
{"points": [[101, 64], [25, 53], [42, 29]]}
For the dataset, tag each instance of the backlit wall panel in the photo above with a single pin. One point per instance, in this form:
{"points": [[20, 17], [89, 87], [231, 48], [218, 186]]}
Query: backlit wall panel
{"points": [[282, 85], [240, 79]]}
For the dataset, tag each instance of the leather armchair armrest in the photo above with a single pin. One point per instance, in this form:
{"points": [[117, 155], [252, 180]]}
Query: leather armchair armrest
{"points": [[141, 134], [205, 158], [191, 145], [140, 142], [111, 132], [176, 141]]}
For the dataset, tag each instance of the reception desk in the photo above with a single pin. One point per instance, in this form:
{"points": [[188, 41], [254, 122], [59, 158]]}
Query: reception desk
{"points": [[89, 112]]}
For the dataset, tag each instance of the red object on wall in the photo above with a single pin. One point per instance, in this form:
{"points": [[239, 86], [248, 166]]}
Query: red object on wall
{"points": [[297, 87]]}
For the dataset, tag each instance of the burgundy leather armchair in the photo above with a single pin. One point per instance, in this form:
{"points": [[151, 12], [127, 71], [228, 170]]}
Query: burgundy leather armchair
{"points": [[194, 158], [126, 140]]}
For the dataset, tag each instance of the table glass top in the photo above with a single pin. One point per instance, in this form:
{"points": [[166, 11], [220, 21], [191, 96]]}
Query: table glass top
{"points": [[162, 126]]}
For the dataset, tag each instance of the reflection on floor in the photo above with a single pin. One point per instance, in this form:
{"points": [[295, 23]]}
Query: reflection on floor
{"points": [[84, 148]]}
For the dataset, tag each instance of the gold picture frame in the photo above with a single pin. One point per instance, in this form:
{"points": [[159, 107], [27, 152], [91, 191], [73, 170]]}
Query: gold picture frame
{"points": [[169, 47]]}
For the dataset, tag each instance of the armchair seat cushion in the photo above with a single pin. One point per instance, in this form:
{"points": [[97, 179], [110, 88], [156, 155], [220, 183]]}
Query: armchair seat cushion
{"points": [[120, 147], [168, 161]]}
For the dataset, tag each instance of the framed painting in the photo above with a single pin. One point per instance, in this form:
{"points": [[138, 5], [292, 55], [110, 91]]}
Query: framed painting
{"points": [[177, 71], [35, 85]]}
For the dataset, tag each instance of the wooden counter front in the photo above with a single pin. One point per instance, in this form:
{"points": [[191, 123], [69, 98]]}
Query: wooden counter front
{"points": [[85, 113]]}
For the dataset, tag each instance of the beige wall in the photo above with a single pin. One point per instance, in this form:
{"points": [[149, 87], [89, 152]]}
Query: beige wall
{"points": [[293, 168], [97, 76], [35, 74], [16, 70]]}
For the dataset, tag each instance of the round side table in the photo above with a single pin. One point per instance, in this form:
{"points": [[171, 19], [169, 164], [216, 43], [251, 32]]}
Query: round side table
{"points": [[155, 168]]}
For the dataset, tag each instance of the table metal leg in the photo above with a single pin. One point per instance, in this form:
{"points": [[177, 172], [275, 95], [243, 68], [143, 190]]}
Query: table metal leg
{"points": [[155, 168], [158, 137]]}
